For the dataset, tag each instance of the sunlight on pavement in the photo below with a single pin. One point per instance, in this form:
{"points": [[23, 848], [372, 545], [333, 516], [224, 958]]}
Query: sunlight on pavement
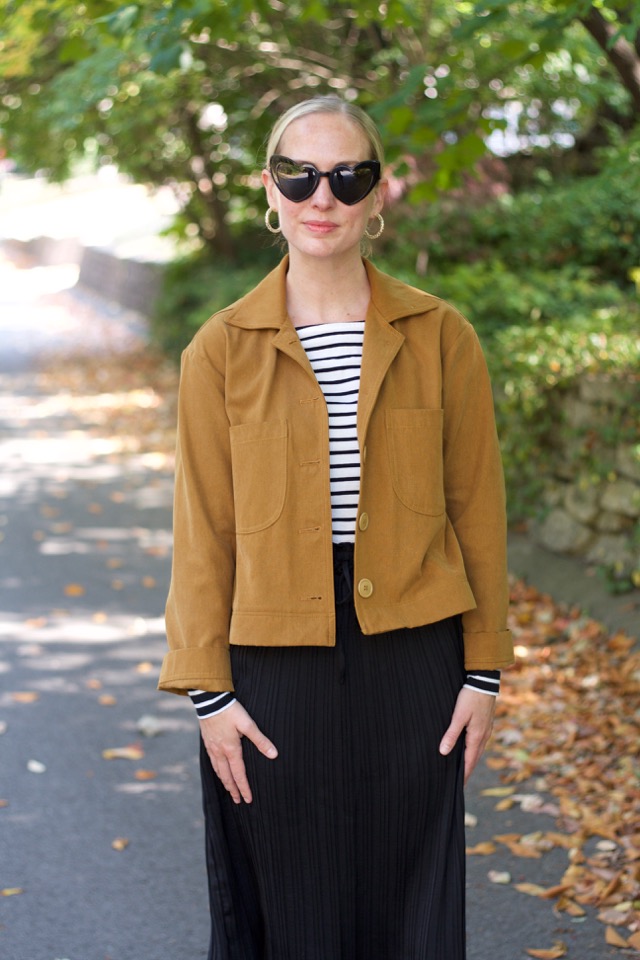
{"points": [[78, 628], [28, 282]]}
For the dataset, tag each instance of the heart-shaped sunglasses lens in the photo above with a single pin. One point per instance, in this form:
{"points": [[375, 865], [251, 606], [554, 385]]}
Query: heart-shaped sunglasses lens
{"points": [[298, 181]]}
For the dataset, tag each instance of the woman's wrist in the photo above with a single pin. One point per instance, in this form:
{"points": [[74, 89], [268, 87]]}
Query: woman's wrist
{"points": [[209, 704], [483, 681]]}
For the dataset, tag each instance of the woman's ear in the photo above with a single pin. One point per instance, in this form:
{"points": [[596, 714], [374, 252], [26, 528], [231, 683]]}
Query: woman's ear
{"points": [[380, 195], [270, 189]]}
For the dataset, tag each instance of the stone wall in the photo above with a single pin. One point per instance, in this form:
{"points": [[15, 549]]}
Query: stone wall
{"points": [[592, 495], [134, 284]]}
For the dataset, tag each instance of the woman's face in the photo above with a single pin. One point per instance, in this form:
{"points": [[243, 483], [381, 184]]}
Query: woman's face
{"points": [[322, 226]]}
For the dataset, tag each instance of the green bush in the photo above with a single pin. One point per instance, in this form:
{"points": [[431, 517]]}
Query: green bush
{"points": [[193, 289], [529, 365], [589, 222], [493, 297]]}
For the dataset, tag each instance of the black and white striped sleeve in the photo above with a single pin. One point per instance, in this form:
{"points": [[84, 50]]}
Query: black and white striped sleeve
{"points": [[209, 704], [483, 681]]}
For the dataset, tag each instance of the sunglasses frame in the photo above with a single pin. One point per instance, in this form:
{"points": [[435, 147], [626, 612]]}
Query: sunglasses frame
{"points": [[332, 175]]}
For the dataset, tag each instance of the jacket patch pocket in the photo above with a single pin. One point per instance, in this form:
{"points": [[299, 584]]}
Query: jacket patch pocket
{"points": [[414, 442], [259, 468]]}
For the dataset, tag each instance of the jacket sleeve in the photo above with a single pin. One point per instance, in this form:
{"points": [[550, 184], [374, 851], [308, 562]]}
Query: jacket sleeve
{"points": [[475, 498], [198, 607]]}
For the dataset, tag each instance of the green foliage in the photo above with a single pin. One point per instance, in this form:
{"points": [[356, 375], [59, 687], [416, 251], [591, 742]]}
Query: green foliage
{"points": [[194, 289], [530, 364], [495, 297], [139, 84], [589, 222]]}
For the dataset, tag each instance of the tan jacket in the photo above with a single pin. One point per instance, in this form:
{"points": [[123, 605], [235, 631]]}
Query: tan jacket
{"points": [[252, 515]]}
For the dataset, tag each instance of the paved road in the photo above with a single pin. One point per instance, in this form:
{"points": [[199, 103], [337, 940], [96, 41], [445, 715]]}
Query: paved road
{"points": [[84, 566]]}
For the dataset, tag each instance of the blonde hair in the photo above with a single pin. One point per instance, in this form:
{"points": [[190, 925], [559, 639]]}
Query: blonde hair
{"points": [[328, 104]]}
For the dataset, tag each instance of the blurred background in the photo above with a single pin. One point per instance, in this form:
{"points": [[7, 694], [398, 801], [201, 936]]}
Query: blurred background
{"points": [[132, 138], [512, 132]]}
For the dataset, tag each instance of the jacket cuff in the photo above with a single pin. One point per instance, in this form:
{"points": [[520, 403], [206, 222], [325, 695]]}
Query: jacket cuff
{"points": [[488, 651], [196, 668]]}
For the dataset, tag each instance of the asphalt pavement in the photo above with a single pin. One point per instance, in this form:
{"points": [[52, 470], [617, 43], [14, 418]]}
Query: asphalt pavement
{"points": [[101, 855]]}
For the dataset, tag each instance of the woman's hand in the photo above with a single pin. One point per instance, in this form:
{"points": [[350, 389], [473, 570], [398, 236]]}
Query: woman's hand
{"points": [[222, 735], [473, 715]]}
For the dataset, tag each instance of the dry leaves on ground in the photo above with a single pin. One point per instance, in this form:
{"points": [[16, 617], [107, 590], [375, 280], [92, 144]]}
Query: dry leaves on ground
{"points": [[569, 723], [129, 398]]}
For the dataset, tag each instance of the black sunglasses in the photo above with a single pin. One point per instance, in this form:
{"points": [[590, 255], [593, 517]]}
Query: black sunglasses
{"points": [[298, 181]]}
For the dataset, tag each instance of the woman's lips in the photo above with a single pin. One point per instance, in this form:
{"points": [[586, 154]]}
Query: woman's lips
{"points": [[320, 226]]}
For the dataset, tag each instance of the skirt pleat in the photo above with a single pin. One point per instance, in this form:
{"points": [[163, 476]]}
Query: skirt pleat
{"points": [[353, 846]]}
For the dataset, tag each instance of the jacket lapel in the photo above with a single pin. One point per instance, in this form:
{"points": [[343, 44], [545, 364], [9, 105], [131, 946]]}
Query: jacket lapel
{"points": [[381, 344]]}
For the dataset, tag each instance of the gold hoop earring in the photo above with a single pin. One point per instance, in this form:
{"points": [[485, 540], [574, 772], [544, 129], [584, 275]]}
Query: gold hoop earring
{"points": [[374, 236], [268, 223]]}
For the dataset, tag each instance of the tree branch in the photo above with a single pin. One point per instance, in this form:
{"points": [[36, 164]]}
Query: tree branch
{"points": [[621, 54]]}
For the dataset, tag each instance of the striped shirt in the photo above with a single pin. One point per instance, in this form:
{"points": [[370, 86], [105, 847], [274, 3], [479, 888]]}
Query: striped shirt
{"points": [[335, 354]]}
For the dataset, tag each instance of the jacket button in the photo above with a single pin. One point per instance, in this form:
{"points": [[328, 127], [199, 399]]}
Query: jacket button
{"points": [[363, 521], [365, 588]]}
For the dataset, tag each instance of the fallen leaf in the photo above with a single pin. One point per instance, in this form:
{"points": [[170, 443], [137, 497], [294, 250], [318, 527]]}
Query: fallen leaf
{"points": [[133, 752], [93, 684], [532, 889], [482, 849], [498, 792], [565, 905], [11, 891], [107, 700], [614, 939], [35, 766], [145, 774], [634, 941], [74, 590], [149, 726], [551, 892], [149, 582], [95, 508], [558, 950], [26, 696], [499, 876], [117, 584], [120, 843], [4, 803], [35, 623], [145, 667]]}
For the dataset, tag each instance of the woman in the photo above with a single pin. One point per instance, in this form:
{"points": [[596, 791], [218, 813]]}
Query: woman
{"points": [[338, 598]]}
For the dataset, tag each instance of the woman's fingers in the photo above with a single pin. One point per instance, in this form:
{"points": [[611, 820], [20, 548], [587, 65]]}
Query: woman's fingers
{"points": [[223, 772], [473, 716], [222, 735], [251, 731]]}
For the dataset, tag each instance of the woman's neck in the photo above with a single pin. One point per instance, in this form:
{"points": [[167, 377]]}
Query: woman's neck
{"points": [[323, 291]]}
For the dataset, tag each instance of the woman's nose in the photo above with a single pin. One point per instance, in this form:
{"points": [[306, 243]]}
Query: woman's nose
{"points": [[323, 196]]}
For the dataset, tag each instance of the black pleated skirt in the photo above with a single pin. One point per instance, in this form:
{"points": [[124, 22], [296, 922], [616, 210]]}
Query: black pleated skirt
{"points": [[353, 847]]}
